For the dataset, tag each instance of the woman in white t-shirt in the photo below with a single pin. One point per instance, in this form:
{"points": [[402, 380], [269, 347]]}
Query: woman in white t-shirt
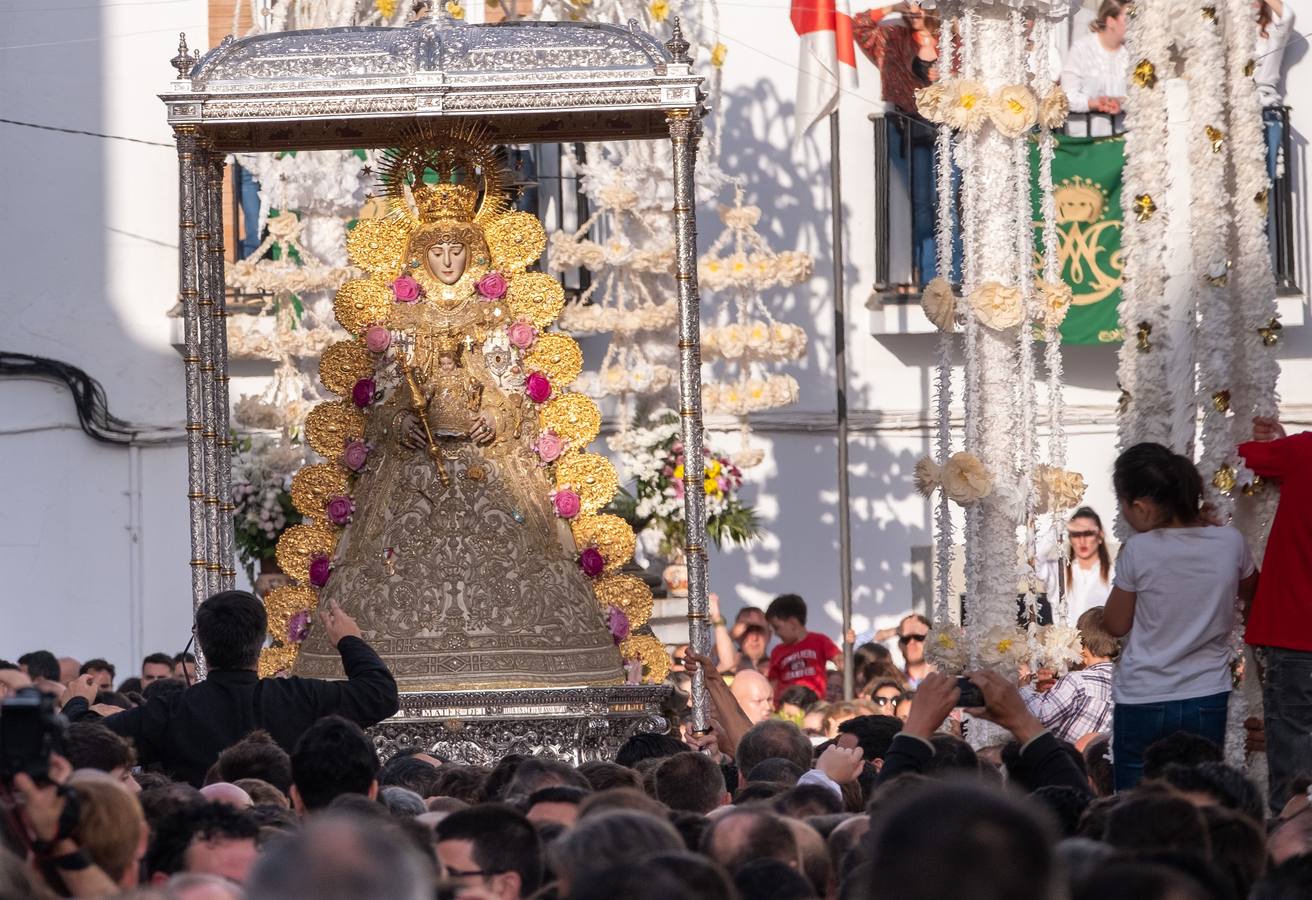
{"points": [[1095, 71], [1086, 579], [1178, 580]]}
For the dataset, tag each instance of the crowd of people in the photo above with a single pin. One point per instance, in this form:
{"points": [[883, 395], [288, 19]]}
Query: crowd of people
{"points": [[1108, 780]]}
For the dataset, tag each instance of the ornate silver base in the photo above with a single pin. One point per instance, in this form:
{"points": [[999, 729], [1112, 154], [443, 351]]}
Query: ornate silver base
{"points": [[574, 725]]}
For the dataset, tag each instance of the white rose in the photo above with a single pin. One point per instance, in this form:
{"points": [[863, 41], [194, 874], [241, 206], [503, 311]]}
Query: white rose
{"points": [[940, 304], [997, 306], [965, 479]]}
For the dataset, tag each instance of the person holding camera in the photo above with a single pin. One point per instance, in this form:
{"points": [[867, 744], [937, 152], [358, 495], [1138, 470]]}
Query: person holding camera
{"points": [[984, 695], [186, 732]]}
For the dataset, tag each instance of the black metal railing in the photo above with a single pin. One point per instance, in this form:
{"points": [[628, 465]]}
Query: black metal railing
{"points": [[903, 169]]}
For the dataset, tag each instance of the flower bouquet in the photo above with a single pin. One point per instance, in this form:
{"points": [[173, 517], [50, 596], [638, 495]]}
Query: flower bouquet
{"points": [[261, 492], [653, 458]]}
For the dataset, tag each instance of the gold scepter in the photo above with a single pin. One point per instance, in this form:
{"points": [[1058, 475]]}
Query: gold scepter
{"points": [[418, 405]]}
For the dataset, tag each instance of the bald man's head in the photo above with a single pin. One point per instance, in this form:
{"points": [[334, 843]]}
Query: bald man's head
{"points": [[754, 694], [229, 794]]}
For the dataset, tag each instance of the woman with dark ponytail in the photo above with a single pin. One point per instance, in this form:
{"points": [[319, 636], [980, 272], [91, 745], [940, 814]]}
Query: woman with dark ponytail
{"points": [[1177, 582]]}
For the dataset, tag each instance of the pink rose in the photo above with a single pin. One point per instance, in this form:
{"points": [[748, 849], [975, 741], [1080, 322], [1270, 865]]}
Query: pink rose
{"points": [[618, 623], [320, 568], [678, 489], [522, 334], [537, 387], [406, 290], [340, 509], [298, 629], [592, 562], [548, 446], [491, 286], [355, 455], [363, 392], [566, 502], [377, 338]]}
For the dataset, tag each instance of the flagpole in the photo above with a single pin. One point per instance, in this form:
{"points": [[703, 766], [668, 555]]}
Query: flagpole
{"points": [[840, 392]]}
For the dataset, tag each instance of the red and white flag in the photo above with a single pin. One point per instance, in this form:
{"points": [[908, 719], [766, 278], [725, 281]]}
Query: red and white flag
{"points": [[827, 62]]}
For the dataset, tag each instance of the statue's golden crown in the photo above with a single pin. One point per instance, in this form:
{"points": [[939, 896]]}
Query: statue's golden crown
{"points": [[445, 202]]}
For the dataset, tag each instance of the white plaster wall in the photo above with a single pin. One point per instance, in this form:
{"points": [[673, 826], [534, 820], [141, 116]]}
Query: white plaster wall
{"points": [[87, 252], [94, 556]]}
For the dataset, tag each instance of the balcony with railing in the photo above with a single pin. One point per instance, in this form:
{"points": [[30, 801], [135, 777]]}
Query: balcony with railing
{"points": [[904, 215]]}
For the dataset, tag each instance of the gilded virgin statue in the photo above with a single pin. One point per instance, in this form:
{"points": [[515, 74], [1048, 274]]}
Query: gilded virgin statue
{"points": [[456, 514]]}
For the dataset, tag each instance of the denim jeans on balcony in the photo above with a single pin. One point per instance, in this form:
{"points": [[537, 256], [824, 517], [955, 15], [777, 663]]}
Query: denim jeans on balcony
{"points": [[1136, 726], [1287, 702], [1274, 130], [916, 170], [250, 213]]}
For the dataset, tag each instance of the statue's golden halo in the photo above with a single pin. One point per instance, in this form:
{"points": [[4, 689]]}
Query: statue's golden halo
{"points": [[469, 173]]}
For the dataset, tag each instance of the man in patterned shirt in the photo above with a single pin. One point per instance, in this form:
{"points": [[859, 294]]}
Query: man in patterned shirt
{"points": [[1080, 702]]}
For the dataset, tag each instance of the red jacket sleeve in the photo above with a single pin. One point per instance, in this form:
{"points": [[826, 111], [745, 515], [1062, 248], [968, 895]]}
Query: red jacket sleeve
{"points": [[1277, 459], [869, 36]]}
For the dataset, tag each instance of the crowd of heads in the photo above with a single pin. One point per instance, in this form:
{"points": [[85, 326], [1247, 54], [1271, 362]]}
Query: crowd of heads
{"points": [[331, 819]]}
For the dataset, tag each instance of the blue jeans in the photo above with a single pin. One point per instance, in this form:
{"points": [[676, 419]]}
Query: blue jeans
{"points": [[914, 157], [250, 211], [1287, 702], [1136, 726], [1273, 129]]}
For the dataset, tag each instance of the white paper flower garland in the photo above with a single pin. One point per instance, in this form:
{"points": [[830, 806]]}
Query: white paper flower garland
{"points": [[1146, 404], [992, 104], [1211, 238]]}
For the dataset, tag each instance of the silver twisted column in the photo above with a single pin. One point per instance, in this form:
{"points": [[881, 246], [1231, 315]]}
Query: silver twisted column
{"points": [[209, 434], [188, 294], [224, 554], [685, 128]]}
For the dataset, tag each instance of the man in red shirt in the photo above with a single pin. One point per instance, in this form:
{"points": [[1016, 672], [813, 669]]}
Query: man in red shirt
{"points": [[1280, 622], [802, 655]]}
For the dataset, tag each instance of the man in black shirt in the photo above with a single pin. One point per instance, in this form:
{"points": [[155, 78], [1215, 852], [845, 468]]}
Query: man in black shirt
{"points": [[185, 732]]}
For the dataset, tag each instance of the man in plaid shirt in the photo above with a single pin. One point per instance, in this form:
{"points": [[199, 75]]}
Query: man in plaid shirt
{"points": [[1080, 702]]}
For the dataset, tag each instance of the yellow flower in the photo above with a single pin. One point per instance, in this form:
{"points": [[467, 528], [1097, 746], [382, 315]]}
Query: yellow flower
{"points": [[659, 10], [967, 104], [1052, 302], [718, 53], [678, 472], [712, 486], [386, 8], [713, 468], [1014, 110], [455, 10]]}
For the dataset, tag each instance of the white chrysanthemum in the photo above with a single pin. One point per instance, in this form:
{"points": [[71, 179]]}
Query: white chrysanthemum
{"points": [[1004, 648], [948, 649]]}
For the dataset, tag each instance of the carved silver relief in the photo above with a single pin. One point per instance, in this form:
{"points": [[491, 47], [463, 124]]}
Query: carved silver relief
{"points": [[574, 725]]}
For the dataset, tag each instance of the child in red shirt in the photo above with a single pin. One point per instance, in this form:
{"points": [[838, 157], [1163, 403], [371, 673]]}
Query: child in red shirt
{"points": [[802, 656]]}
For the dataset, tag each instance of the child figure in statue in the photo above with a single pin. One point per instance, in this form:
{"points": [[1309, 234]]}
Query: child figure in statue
{"points": [[454, 563]]}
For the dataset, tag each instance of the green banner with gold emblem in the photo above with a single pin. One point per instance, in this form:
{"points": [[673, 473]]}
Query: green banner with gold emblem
{"points": [[1086, 178]]}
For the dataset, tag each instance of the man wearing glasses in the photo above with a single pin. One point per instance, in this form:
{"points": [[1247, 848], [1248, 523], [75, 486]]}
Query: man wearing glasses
{"points": [[490, 850], [911, 634]]}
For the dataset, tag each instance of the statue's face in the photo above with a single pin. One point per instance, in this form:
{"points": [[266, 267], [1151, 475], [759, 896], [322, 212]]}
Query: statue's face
{"points": [[447, 261]]}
